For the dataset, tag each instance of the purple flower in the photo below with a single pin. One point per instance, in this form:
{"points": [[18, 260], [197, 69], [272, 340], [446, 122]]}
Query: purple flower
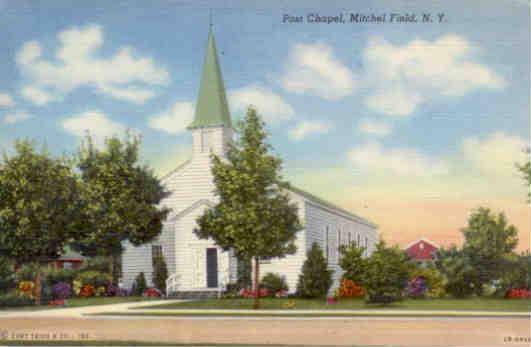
{"points": [[61, 291]]}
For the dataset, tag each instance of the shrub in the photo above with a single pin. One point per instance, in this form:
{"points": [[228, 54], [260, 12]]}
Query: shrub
{"points": [[86, 291], [387, 274], [94, 278], [13, 299], [26, 272], [350, 289], [160, 273], [353, 263], [274, 283], [7, 277], [99, 291], [139, 285], [434, 281], [152, 293], [518, 293], [249, 293], [55, 276], [460, 276], [416, 287], [61, 290], [25, 288], [113, 290], [315, 279]]}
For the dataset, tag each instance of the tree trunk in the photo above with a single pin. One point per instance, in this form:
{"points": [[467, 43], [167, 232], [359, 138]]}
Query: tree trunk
{"points": [[38, 285], [256, 304]]}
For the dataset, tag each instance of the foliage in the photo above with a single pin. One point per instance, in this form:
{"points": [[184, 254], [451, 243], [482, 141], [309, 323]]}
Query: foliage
{"points": [[460, 275], [40, 208], [76, 286], [7, 277], [94, 278], [122, 197], [54, 276], [249, 293], [160, 273], [516, 274], [139, 285], [519, 293], [350, 289], [26, 288], [86, 291], [26, 272], [525, 169], [97, 263], [434, 280], [489, 240], [13, 299], [315, 279], [417, 287], [113, 290], [152, 293], [387, 274], [353, 263], [62, 290], [274, 283], [254, 216]]}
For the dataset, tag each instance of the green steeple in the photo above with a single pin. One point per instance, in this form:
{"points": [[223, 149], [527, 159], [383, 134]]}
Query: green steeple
{"points": [[212, 108]]}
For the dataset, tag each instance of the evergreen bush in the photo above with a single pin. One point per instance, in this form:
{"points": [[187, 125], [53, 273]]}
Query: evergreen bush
{"points": [[7, 277], [315, 279], [274, 283], [139, 285], [160, 273]]}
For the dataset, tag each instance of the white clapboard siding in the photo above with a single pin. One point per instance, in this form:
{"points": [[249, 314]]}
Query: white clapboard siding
{"points": [[190, 252]]}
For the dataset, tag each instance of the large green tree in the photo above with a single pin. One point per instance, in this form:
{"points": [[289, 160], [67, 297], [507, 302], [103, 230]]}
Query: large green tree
{"points": [[122, 198], [254, 216], [386, 274], [489, 241], [39, 207], [461, 279]]}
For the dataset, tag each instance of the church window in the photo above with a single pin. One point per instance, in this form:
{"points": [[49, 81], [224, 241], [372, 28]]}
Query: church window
{"points": [[358, 243], [349, 238], [366, 246], [338, 242]]}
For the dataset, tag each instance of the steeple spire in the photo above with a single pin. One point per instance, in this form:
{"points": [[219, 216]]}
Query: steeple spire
{"points": [[212, 109]]}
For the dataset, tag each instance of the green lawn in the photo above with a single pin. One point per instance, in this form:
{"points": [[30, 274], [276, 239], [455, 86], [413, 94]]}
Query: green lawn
{"points": [[479, 304]]}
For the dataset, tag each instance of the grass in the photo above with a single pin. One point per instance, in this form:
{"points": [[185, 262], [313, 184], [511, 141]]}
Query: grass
{"points": [[472, 304], [80, 302]]}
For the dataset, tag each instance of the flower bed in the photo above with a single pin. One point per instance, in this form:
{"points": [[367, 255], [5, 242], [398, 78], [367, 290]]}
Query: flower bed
{"points": [[518, 293]]}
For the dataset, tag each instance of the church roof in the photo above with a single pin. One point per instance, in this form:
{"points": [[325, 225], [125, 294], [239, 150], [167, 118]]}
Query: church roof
{"points": [[212, 108], [318, 200]]}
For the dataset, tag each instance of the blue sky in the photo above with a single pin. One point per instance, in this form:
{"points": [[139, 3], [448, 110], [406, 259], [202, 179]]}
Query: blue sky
{"points": [[411, 122]]}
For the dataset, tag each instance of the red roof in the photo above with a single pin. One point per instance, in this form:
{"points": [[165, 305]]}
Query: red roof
{"points": [[422, 249]]}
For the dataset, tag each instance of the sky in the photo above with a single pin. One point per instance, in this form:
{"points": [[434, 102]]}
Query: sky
{"points": [[412, 125]]}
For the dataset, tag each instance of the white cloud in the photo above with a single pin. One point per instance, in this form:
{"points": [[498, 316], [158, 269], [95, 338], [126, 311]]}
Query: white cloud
{"points": [[94, 123], [124, 75], [496, 153], [401, 78], [175, 120], [16, 117], [373, 127], [272, 107], [314, 69], [6, 100], [304, 129], [37, 95], [372, 157]]}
